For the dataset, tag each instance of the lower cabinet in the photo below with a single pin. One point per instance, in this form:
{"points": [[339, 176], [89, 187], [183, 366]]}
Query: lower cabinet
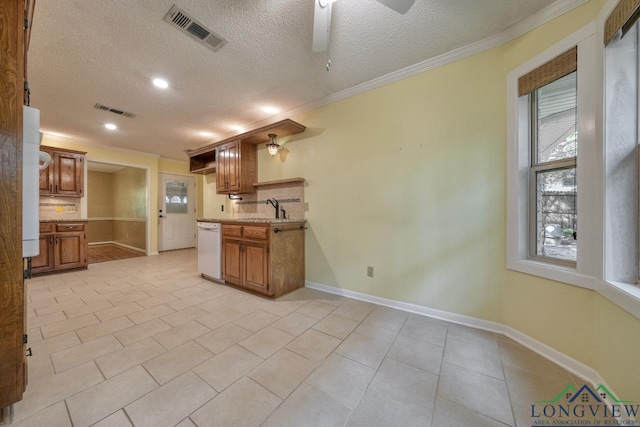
{"points": [[44, 261], [258, 259], [63, 246]]}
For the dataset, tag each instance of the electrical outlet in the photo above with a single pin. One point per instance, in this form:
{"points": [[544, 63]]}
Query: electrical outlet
{"points": [[370, 271]]}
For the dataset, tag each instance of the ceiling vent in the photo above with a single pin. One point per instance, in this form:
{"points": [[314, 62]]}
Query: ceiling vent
{"points": [[99, 106], [185, 23]]}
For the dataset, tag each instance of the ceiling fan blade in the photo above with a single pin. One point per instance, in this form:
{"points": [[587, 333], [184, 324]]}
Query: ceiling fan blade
{"points": [[321, 24], [400, 6]]}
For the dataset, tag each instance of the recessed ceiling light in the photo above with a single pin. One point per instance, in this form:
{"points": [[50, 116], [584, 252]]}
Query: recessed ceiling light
{"points": [[269, 109], [111, 126], [207, 134], [161, 83], [237, 127]]}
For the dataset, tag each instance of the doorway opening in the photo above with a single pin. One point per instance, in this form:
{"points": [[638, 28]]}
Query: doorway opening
{"points": [[117, 211]]}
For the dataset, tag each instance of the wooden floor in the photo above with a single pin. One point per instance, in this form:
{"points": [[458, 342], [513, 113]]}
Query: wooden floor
{"points": [[110, 252]]}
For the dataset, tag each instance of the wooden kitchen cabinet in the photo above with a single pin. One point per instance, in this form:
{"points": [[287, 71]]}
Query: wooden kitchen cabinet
{"points": [[237, 168], [44, 261], [63, 246], [260, 259], [65, 174]]}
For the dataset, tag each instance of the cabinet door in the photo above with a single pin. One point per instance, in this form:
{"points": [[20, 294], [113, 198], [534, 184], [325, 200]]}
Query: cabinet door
{"points": [[46, 179], [233, 167], [44, 261], [221, 169], [69, 174], [70, 251], [231, 261], [256, 266]]}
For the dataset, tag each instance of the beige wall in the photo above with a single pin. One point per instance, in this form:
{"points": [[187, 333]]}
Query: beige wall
{"points": [[129, 194], [116, 206], [101, 231], [410, 178], [99, 194]]}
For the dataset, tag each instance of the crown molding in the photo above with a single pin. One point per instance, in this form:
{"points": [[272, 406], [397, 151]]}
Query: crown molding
{"points": [[516, 30]]}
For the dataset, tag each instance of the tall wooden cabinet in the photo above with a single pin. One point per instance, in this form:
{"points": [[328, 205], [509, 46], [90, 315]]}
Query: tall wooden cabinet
{"points": [[13, 47], [237, 168], [65, 174]]}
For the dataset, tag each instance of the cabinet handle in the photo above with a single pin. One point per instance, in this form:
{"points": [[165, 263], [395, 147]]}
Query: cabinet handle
{"points": [[56, 188], [50, 188]]}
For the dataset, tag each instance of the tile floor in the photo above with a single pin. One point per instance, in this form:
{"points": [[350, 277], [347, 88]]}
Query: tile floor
{"points": [[147, 342]]}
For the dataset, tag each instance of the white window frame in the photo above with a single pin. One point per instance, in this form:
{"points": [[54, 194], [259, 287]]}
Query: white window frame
{"points": [[588, 272]]}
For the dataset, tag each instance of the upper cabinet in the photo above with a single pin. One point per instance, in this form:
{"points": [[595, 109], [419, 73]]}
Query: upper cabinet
{"points": [[65, 174], [234, 160], [237, 168]]}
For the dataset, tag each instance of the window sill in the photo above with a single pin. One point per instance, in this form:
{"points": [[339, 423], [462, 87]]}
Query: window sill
{"points": [[558, 273]]}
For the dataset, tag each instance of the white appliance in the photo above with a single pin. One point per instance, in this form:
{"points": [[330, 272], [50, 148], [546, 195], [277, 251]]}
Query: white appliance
{"points": [[30, 182], [209, 253]]}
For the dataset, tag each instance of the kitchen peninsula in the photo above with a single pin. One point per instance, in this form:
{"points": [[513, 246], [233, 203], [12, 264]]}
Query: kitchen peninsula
{"points": [[264, 256]]}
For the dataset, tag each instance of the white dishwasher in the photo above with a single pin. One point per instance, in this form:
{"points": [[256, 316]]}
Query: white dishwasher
{"points": [[209, 243]]}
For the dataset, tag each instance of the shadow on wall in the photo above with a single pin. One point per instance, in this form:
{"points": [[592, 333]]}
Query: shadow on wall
{"points": [[117, 205], [321, 265]]}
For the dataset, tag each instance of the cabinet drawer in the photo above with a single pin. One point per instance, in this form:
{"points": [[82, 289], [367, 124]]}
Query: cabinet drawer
{"points": [[69, 227], [232, 230], [46, 228], [256, 232]]}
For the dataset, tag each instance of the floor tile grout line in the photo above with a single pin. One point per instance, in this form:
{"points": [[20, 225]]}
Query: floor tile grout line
{"points": [[444, 349]]}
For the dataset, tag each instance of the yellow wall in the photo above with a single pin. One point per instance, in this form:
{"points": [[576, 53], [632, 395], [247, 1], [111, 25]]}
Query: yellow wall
{"points": [[575, 321], [410, 178], [393, 177]]}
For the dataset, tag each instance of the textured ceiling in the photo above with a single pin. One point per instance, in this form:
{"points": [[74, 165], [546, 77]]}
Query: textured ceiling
{"points": [[84, 52]]}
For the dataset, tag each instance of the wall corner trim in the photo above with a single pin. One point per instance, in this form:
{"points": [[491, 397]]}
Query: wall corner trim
{"points": [[568, 363]]}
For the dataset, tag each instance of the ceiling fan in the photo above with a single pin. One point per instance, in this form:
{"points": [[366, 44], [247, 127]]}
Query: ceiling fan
{"points": [[322, 19]]}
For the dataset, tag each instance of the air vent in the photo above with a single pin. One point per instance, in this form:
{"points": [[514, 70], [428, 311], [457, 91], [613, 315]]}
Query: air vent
{"points": [[185, 23], [99, 106]]}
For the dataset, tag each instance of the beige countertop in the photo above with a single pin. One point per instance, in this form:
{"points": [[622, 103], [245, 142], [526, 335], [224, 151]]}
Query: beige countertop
{"points": [[253, 220], [63, 220]]}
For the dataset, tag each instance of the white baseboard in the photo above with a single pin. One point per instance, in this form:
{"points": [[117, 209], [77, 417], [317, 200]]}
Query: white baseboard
{"points": [[133, 248], [568, 363], [153, 253]]}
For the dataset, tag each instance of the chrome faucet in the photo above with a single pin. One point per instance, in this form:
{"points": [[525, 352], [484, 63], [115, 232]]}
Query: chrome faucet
{"points": [[275, 204]]}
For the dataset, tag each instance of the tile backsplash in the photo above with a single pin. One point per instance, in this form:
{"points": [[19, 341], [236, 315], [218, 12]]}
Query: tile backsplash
{"points": [[290, 196], [59, 208]]}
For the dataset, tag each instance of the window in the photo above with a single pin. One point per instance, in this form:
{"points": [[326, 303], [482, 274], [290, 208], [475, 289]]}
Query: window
{"points": [[553, 149], [552, 180]]}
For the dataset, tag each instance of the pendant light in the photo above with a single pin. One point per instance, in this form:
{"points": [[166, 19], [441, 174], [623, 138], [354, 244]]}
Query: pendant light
{"points": [[273, 145]]}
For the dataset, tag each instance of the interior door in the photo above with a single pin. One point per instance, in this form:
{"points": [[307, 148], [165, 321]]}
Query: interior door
{"points": [[177, 216]]}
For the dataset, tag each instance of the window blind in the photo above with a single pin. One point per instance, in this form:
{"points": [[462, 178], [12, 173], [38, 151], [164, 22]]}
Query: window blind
{"points": [[618, 17], [560, 66]]}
